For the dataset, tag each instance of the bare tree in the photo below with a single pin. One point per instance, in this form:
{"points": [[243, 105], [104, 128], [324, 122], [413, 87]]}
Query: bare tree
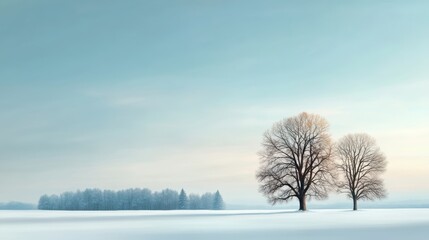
{"points": [[360, 162], [296, 160]]}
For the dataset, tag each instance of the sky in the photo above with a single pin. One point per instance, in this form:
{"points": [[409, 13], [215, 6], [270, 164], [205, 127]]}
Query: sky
{"points": [[177, 94]]}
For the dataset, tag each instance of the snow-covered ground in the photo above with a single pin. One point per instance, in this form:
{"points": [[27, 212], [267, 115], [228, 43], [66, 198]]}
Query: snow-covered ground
{"points": [[315, 224]]}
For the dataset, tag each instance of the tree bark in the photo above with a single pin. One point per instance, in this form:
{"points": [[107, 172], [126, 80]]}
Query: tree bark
{"points": [[302, 204], [354, 204]]}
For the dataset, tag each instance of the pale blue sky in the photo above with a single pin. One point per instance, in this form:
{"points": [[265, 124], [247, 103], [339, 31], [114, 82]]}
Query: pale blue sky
{"points": [[118, 94]]}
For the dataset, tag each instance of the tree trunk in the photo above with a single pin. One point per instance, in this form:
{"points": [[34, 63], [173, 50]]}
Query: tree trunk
{"points": [[302, 204], [354, 204]]}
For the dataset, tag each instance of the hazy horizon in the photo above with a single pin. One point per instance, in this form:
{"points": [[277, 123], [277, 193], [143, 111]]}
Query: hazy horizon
{"points": [[177, 94]]}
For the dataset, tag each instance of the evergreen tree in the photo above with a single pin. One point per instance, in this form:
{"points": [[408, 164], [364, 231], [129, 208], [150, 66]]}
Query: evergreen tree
{"points": [[183, 200], [44, 203], [194, 201], [129, 199], [218, 203], [207, 200]]}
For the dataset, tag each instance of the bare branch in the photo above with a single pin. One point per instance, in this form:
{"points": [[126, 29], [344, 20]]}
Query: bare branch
{"points": [[296, 160], [361, 162]]}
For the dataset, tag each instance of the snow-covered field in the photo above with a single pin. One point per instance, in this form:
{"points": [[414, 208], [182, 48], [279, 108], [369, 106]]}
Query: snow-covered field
{"points": [[315, 224]]}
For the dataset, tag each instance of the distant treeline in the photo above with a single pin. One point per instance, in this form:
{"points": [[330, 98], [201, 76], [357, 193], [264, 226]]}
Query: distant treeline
{"points": [[130, 199], [17, 206]]}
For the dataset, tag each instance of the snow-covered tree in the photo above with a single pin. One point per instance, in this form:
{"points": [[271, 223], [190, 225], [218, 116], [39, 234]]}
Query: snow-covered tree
{"points": [[218, 203], [129, 199], [44, 203], [207, 201], [183, 200], [194, 201]]}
